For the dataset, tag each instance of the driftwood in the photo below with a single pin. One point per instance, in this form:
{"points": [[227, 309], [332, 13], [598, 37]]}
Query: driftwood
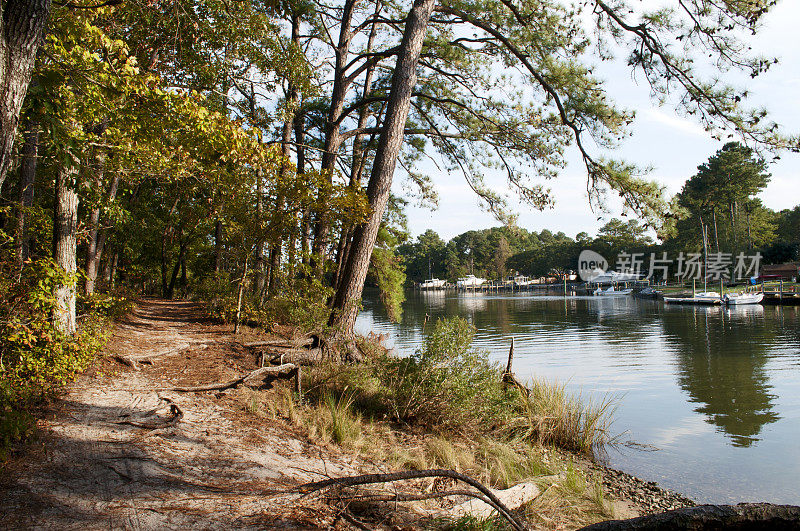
{"points": [[513, 497], [255, 378], [366, 479], [745, 516], [151, 420], [508, 375]]}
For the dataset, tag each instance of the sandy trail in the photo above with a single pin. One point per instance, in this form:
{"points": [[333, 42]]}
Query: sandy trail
{"points": [[95, 466]]}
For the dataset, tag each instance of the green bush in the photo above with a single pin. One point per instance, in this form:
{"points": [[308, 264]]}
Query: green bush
{"points": [[36, 360], [303, 306], [448, 384]]}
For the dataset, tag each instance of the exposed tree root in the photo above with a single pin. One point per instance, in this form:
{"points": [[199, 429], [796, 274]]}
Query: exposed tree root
{"points": [[366, 479], [255, 378], [151, 420]]}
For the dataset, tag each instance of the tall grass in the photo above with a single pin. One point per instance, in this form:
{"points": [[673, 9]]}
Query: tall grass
{"points": [[553, 416]]}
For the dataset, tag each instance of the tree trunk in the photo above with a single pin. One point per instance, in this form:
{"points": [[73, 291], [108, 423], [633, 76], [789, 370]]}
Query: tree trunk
{"points": [[293, 96], [218, 247], [333, 134], [716, 233], [305, 214], [65, 225], [27, 179], [175, 270], [184, 279], [359, 157], [345, 305], [239, 298], [97, 238], [749, 234], [112, 271], [21, 27], [165, 236], [260, 248]]}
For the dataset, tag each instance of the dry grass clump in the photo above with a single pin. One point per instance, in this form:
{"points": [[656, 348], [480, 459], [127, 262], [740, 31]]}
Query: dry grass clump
{"points": [[505, 464], [574, 501], [553, 416]]}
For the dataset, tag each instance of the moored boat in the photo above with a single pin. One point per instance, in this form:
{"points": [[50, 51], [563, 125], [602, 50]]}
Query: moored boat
{"points": [[744, 298], [612, 291], [470, 281], [433, 283]]}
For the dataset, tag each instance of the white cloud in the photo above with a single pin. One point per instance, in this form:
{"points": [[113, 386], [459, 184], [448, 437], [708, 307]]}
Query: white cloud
{"points": [[676, 122]]}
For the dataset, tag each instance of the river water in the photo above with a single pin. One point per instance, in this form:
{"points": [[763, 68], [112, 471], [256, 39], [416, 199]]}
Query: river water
{"points": [[716, 391]]}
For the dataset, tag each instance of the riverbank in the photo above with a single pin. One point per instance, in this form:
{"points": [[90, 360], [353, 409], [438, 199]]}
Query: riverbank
{"points": [[123, 448]]}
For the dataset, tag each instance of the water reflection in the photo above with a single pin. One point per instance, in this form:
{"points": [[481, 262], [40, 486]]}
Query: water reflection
{"points": [[721, 356]]}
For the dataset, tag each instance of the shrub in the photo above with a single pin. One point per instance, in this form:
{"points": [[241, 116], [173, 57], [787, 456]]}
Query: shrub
{"points": [[36, 360], [303, 306], [448, 384]]}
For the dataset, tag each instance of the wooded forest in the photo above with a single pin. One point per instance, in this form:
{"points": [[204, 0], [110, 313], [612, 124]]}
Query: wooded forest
{"points": [[719, 212], [243, 153]]}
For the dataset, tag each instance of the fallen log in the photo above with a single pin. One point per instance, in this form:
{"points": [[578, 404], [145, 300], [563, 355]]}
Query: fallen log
{"points": [[744, 516], [513, 498], [308, 341], [254, 378], [298, 356]]}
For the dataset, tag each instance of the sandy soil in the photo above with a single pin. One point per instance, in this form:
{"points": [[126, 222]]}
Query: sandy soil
{"points": [[98, 464]]}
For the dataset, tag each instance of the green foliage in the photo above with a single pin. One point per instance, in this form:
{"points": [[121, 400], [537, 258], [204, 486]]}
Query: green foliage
{"points": [[720, 199], [448, 384], [390, 277], [36, 360], [303, 306]]}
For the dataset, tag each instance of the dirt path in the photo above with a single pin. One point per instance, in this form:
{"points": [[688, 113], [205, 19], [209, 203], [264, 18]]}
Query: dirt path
{"points": [[98, 465]]}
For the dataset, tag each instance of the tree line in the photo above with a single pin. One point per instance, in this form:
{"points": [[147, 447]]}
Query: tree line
{"points": [[717, 211]]}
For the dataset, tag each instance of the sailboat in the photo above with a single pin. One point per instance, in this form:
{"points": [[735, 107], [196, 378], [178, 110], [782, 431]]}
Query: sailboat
{"points": [[432, 282]]}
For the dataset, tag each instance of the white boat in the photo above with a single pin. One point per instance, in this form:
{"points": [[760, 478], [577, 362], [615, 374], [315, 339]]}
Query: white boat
{"points": [[612, 292], [470, 281], [522, 280], [433, 283], [744, 298]]}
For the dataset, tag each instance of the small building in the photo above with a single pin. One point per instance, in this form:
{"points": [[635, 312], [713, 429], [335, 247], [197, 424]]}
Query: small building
{"points": [[789, 271]]}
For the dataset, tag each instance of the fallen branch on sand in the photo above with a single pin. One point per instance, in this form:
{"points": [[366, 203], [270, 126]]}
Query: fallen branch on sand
{"points": [[151, 420], [351, 481], [254, 378]]}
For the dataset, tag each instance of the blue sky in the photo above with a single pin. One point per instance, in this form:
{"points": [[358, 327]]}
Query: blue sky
{"points": [[670, 144]]}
